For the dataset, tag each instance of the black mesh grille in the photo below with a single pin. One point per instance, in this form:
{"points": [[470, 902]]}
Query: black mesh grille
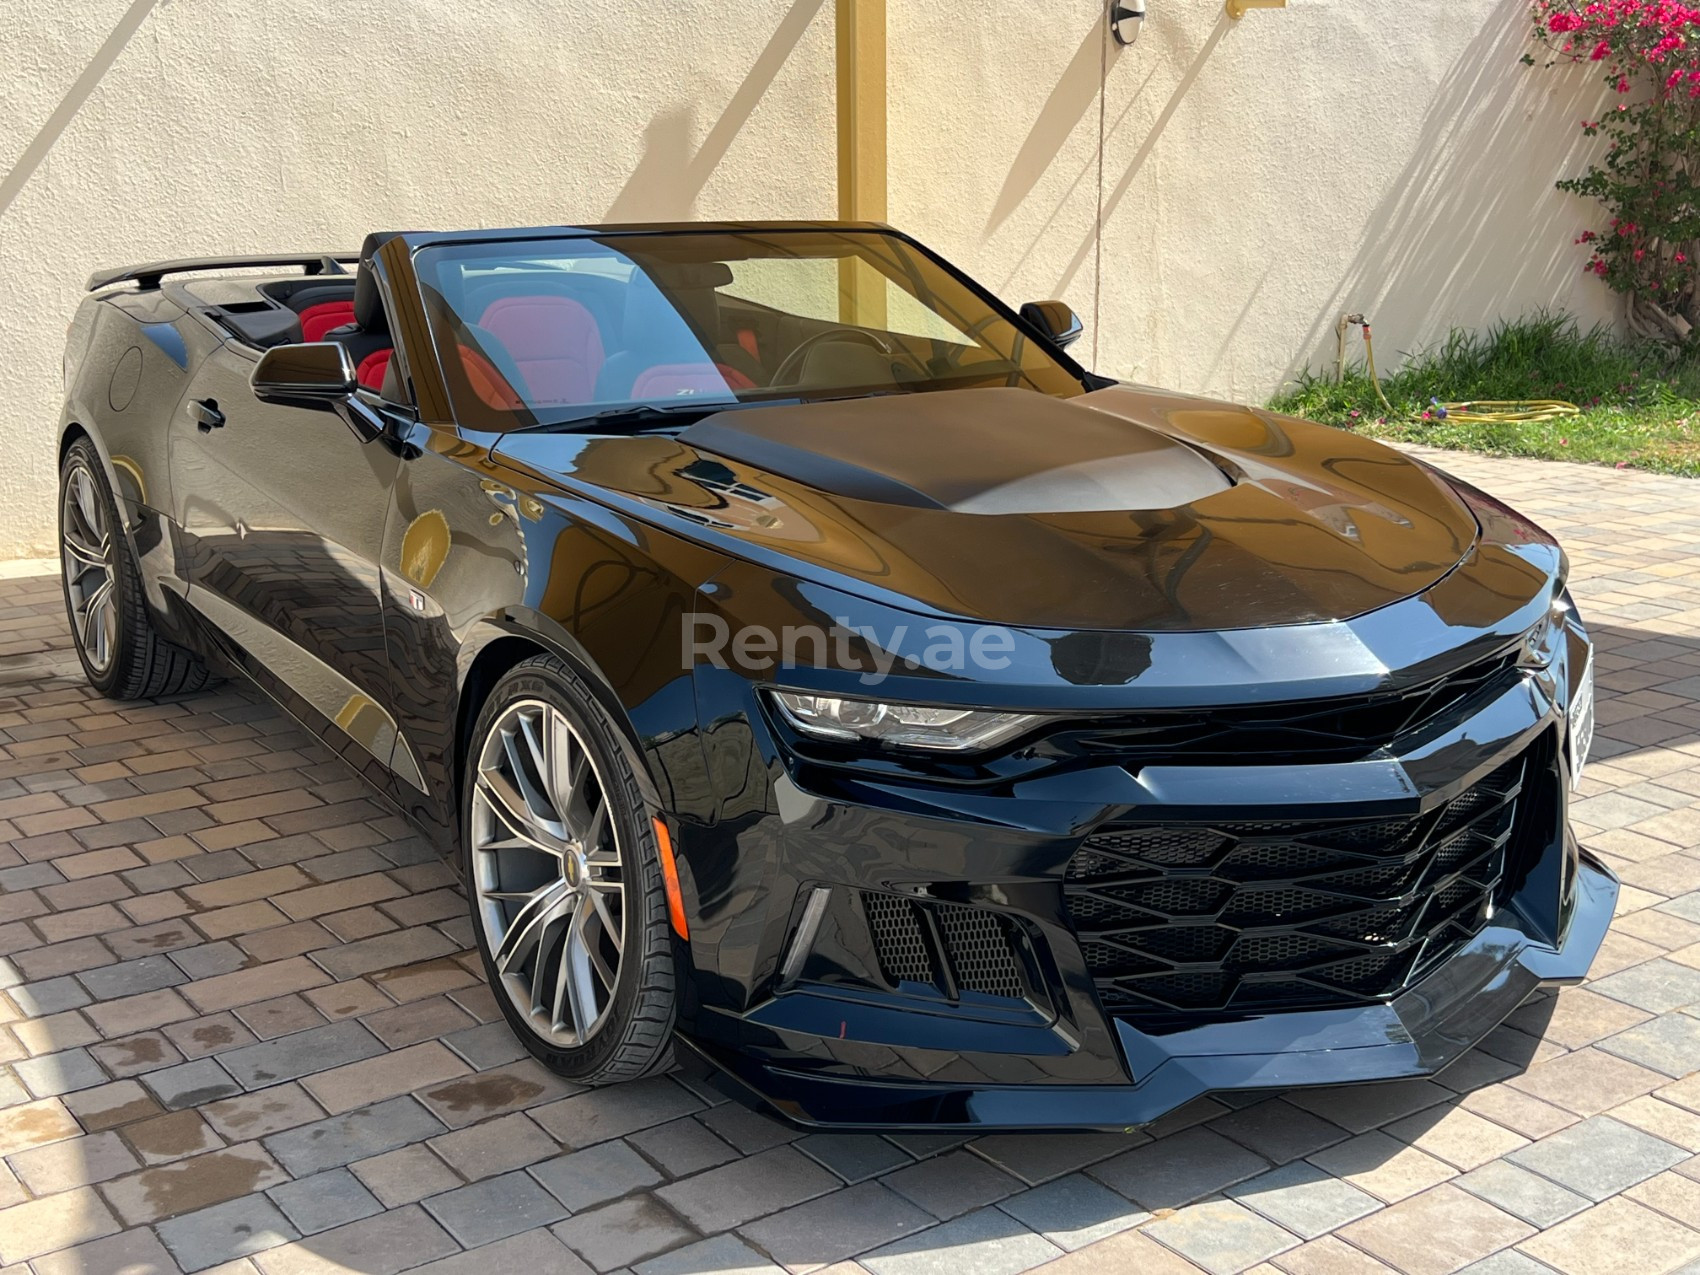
{"points": [[979, 945], [1188, 944], [980, 952], [896, 929], [1190, 919]]}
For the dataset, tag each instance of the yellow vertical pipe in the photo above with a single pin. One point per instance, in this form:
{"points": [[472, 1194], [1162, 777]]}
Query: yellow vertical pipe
{"points": [[861, 147]]}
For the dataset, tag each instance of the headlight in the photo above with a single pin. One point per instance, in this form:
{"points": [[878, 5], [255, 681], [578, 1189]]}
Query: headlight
{"points": [[941, 730]]}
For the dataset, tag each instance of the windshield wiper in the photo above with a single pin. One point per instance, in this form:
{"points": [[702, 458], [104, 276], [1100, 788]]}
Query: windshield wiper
{"points": [[673, 413], [850, 398], [632, 414], [658, 413]]}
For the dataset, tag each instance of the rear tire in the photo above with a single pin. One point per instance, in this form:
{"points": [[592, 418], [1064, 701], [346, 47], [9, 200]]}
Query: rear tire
{"points": [[563, 879], [123, 655]]}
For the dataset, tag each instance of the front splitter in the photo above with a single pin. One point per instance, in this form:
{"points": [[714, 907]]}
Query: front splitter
{"points": [[1418, 1034]]}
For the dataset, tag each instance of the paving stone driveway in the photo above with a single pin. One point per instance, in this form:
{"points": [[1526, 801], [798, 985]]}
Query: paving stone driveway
{"points": [[241, 1030]]}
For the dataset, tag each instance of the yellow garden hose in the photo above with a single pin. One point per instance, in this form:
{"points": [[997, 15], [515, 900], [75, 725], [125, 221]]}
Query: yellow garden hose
{"points": [[1509, 411], [1486, 411]]}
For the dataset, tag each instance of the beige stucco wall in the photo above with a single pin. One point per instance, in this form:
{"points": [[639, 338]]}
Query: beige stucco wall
{"points": [[1379, 155], [1258, 178], [231, 126]]}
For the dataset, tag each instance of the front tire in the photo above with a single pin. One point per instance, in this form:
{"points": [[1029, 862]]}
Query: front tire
{"points": [[563, 878], [123, 655]]}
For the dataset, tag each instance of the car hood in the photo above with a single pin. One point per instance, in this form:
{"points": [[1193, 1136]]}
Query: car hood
{"points": [[1125, 508]]}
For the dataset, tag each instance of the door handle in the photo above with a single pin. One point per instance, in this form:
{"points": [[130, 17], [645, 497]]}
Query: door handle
{"points": [[204, 412]]}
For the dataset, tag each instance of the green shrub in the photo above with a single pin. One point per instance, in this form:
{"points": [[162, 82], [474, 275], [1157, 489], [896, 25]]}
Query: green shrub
{"points": [[1641, 405], [1541, 356]]}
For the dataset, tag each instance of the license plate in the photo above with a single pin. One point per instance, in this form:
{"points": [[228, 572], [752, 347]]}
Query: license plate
{"points": [[1581, 715]]}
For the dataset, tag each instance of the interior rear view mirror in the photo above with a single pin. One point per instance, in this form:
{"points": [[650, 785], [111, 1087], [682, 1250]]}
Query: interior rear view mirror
{"points": [[1056, 320], [317, 373]]}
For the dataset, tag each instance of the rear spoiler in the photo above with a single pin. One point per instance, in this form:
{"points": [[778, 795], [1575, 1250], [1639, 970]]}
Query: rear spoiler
{"points": [[150, 273]]}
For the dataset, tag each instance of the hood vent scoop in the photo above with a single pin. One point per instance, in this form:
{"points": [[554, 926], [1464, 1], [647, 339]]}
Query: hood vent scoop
{"points": [[986, 451]]}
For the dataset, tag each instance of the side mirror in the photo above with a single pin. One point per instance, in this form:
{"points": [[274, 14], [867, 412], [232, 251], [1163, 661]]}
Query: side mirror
{"points": [[1061, 325], [316, 374]]}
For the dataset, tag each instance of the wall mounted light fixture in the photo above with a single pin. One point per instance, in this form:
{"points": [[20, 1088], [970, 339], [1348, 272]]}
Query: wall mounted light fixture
{"points": [[1127, 19], [1237, 9]]}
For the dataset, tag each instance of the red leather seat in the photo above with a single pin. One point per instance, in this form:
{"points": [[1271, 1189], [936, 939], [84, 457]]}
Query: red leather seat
{"points": [[371, 371], [488, 383], [316, 320], [555, 344], [367, 338]]}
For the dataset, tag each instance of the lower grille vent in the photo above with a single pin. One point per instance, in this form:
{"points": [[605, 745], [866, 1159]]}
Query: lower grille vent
{"points": [[944, 944], [896, 926], [979, 950]]}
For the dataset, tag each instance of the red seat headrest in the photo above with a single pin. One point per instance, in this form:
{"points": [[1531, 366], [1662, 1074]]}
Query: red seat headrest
{"points": [[371, 371], [316, 320]]}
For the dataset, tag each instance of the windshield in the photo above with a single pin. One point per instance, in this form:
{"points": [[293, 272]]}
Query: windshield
{"points": [[625, 327]]}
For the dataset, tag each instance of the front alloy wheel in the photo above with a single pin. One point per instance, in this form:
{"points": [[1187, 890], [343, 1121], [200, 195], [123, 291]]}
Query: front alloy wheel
{"points": [[563, 878], [547, 871]]}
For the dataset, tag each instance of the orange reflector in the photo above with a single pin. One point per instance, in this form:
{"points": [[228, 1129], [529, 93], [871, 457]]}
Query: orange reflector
{"points": [[670, 879]]}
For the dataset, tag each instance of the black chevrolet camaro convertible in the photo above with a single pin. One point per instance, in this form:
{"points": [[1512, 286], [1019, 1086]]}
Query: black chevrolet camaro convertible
{"points": [[812, 669]]}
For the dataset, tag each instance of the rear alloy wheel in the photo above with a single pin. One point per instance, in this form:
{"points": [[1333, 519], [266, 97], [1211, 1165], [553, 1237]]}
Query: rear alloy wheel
{"points": [[564, 882], [122, 654], [91, 583]]}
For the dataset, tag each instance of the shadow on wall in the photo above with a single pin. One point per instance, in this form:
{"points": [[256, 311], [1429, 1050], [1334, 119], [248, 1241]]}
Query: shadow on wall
{"points": [[72, 102], [1475, 206], [1074, 94], [1060, 115], [669, 176], [1110, 200], [1113, 197], [664, 185]]}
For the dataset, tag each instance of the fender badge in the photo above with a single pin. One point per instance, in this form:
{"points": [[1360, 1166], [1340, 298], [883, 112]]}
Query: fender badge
{"points": [[415, 600]]}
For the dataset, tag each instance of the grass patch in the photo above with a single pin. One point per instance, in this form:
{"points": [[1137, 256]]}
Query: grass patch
{"points": [[1638, 407]]}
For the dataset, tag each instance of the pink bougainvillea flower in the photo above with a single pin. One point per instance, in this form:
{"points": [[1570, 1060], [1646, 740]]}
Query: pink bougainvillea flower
{"points": [[1648, 173]]}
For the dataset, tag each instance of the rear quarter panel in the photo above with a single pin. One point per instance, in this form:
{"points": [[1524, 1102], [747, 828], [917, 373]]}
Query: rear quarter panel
{"points": [[130, 361]]}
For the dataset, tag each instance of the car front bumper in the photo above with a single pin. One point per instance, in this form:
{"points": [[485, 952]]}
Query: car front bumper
{"points": [[1417, 1034], [797, 1016]]}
